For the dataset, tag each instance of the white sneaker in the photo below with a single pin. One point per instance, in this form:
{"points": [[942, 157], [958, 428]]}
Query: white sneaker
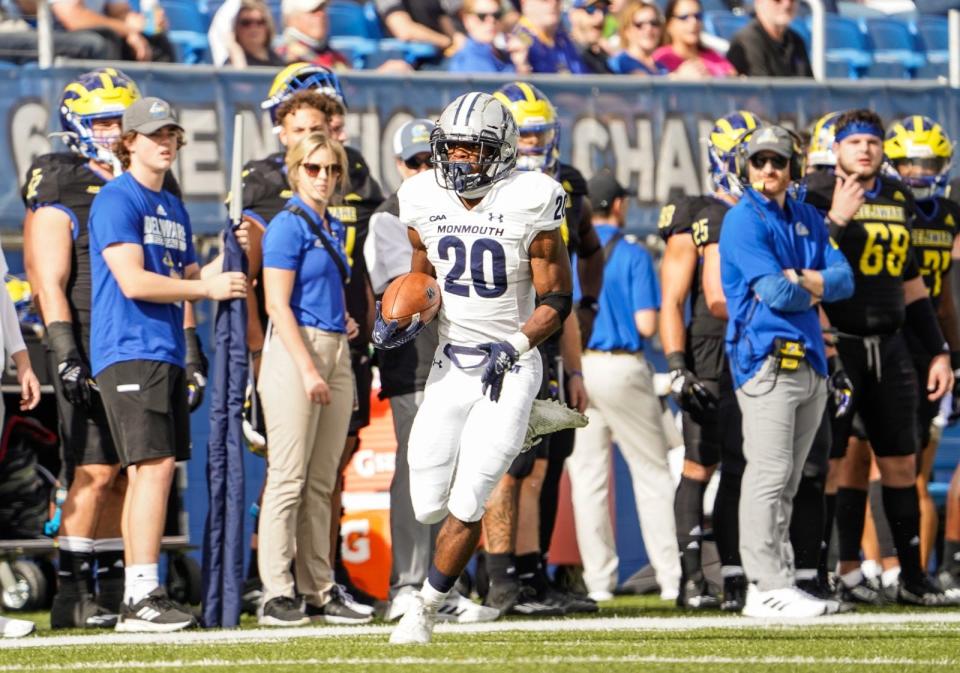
{"points": [[600, 596], [399, 605], [352, 603], [549, 416], [16, 628], [416, 625], [781, 604], [832, 605], [460, 609]]}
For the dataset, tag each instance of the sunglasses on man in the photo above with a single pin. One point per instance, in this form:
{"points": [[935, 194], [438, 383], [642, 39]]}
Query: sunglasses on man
{"points": [[778, 162]]}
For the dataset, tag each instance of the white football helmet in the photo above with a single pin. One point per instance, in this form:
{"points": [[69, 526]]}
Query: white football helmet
{"points": [[474, 119]]}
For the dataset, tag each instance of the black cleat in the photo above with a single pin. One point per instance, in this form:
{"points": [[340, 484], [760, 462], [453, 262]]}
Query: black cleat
{"points": [[154, 614], [340, 609], [924, 592], [528, 604], [864, 592], [502, 595], [283, 611], [574, 603], [80, 612], [734, 593], [696, 594], [817, 589]]}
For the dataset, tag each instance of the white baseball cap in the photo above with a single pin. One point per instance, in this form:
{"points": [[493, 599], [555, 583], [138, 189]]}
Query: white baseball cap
{"points": [[295, 6]]}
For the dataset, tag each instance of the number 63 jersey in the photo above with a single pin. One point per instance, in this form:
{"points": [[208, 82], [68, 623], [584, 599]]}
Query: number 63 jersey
{"points": [[877, 245], [481, 255]]}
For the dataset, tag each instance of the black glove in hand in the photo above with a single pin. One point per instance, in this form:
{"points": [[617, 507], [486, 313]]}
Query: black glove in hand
{"points": [[840, 387], [73, 372], [501, 358], [687, 389], [196, 369]]}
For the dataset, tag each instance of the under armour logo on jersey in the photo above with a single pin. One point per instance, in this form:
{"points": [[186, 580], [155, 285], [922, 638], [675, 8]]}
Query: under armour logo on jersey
{"points": [[802, 229], [494, 217], [160, 211], [438, 363]]}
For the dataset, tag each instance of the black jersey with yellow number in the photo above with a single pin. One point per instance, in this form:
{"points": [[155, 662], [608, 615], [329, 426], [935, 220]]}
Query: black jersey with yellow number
{"points": [[701, 217], [934, 230], [65, 181], [876, 243], [266, 192], [575, 186]]}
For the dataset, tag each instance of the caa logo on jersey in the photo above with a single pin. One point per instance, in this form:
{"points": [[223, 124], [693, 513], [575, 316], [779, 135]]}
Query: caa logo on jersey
{"points": [[437, 218]]}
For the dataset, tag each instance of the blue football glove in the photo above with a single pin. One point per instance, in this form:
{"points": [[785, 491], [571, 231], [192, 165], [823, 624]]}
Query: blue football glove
{"points": [[387, 335], [501, 358]]}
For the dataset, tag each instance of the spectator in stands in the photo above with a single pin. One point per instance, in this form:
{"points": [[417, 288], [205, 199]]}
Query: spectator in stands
{"points": [[683, 52], [130, 35], [587, 19], [551, 49], [304, 270], [641, 29], [481, 53], [306, 32], [430, 21], [19, 39], [767, 47], [253, 33]]}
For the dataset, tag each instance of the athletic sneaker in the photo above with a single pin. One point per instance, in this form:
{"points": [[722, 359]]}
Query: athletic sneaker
{"points": [[416, 625], [950, 584], [283, 611], [252, 596], [16, 628], [549, 416], [696, 594], [734, 593], [460, 609], [502, 596], [155, 613], [80, 612], [574, 603], [399, 605], [528, 604], [924, 592], [600, 596], [815, 588], [787, 603], [348, 600], [864, 591], [340, 609]]}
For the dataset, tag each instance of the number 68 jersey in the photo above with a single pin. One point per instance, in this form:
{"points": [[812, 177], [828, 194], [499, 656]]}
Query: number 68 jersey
{"points": [[481, 255]]}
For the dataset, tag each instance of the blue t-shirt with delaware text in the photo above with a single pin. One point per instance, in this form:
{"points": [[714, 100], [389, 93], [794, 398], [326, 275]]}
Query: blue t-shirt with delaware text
{"points": [[125, 329], [290, 244]]}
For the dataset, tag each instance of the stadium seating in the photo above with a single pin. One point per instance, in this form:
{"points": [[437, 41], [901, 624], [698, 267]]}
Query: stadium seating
{"points": [[724, 24], [355, 32], [895, 53], [188, 30], [932, 35]]}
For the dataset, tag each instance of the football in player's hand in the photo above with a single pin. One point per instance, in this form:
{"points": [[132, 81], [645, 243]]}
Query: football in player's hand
{"points": [[408, 295]]}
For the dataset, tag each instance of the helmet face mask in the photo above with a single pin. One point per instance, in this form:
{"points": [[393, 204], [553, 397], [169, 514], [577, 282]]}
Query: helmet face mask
{"points": [[722, 146], [474, 145], [536, 118], [920, 153], [95, 97]]}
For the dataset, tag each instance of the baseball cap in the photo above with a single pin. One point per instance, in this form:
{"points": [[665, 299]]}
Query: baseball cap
{"points": [[774, 139], [583, 4], [294, 6], [603, 188], [149, 115], [412, 138]]}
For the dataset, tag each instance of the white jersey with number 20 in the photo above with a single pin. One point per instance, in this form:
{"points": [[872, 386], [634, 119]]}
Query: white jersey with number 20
{"points": [[481, 255]]}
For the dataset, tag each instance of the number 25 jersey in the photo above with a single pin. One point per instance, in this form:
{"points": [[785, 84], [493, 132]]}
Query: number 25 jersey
{"points": [[481, 255], [876, 243]]}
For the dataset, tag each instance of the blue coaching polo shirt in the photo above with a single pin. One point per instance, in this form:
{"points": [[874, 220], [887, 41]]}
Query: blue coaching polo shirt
{"points": [[128, 329], [629, 285], [558, 55], [317, 297], [758, 241]]}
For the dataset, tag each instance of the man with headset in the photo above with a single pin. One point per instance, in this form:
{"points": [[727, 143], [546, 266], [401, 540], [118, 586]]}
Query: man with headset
{"points": [[777, 264]]}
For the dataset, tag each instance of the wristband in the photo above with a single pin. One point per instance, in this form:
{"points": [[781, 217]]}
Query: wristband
{"points": [[520, 341], [589, 303], [61, 340], [922, 320], [676, 360]]}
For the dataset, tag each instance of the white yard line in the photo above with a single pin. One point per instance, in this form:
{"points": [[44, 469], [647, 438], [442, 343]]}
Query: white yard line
{"points": [[896, 621], [484, 661]]}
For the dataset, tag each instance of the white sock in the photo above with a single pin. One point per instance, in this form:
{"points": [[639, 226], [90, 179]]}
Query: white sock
{"points": [[431, 597], [871, 569], [806, 574], [80, 545], [890, 577], [139, 580]]}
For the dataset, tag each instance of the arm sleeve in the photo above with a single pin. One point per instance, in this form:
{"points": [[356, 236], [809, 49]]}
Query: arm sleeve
{"points": [[779, 293], [282, 243], [646, 288], [837, 274]]}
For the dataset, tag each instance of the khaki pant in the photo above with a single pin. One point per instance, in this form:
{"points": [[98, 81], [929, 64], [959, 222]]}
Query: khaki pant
{"points": [[305, 445], [623, 408]]}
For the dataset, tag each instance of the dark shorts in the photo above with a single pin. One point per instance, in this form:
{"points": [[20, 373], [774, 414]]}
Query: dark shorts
{"points": [[926, 410], [818, 460], [84, 433], [702, 436], [146, 405], [363, 376], [730, 428], [888, 404]]}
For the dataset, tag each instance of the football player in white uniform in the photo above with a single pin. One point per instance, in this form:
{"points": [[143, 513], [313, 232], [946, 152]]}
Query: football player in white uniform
{"points": [[491, 237]]}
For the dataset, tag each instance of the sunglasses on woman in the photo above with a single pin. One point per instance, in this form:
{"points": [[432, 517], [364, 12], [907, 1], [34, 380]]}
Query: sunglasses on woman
{"points": [[483, 16], [596, 7], [313, 170], [653, 23], [695, 15], [775, 160], [247, 23]]}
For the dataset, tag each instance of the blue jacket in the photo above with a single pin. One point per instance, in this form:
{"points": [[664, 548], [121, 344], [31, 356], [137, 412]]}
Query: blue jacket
{"points": [[758, 241]]}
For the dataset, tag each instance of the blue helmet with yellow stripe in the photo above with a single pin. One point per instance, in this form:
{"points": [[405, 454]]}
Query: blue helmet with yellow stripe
{"points": [[298, 77], [537, 118], [922, 145], [726, 134], [103, 93]]}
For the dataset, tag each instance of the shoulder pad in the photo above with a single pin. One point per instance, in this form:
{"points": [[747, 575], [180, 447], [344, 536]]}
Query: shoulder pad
{"points": [[572, 180], [53, 176]]}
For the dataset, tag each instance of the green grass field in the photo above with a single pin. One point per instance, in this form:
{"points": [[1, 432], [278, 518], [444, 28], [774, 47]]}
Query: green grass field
{"points": [[629, 634]]}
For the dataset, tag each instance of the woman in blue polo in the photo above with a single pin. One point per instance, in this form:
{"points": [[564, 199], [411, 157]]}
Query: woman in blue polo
{"points": [[307, 388]]}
